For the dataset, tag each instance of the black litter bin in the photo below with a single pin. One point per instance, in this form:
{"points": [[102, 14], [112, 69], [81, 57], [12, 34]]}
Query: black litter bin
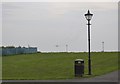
{"points": [[79, 67]]}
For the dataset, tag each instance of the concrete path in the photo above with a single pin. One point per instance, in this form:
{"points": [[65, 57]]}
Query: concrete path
{"points": [[111, 77]]}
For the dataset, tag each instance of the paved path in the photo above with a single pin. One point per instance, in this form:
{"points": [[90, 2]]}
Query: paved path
{"points": [[111, 77]]}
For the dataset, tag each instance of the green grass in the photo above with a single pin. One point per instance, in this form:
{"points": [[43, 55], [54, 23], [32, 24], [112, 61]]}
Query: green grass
{"points": [[0, 67], [48, 66]]}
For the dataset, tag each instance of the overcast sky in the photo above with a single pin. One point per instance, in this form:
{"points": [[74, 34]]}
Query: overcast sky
{"points": [[47, 24]]}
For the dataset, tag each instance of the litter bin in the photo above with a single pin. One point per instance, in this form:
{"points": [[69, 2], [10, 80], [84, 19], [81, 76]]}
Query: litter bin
{"points": [[79, 67]]}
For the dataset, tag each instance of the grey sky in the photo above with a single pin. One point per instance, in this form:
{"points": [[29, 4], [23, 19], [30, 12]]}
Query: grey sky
{"points": [[47, 24]]}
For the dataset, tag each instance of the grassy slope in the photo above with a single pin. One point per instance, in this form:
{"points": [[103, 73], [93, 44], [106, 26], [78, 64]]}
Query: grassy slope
{"points": [[0, 66], [55, 65]]}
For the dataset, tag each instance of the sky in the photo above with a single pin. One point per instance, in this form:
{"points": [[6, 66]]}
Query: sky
{"points": [[47, 24]]}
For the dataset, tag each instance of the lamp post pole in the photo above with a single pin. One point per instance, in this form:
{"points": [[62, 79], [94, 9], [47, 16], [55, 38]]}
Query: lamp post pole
{"points": [[66, 48], [88, 17], [89, 59], [102, 46]]}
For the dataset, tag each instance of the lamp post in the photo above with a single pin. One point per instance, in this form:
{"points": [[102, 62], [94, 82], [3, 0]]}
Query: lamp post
{"points": [[88, 16], [66, 48], [103, 46]]}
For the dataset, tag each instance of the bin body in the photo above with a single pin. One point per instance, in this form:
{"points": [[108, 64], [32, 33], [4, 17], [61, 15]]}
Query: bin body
{"points": [[79, 67]]}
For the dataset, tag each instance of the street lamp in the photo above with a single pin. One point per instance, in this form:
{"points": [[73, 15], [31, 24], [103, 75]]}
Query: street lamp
{"points": [[66, 48], [103, 46], [88, 16]]}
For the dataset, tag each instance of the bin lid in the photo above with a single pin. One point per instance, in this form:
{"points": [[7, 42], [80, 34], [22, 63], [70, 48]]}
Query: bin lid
{"points": [[79, 60]]}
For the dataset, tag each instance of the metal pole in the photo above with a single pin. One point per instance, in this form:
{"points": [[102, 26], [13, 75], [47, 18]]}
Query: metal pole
{"points": [[103, 46], [66, 48], [89, 59]]}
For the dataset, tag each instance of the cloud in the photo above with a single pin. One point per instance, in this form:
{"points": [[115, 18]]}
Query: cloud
{"points": [[46, 23], [35, 11]]}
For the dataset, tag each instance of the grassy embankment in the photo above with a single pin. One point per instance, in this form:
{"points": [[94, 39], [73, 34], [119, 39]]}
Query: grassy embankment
{"points": [[46, 66]]}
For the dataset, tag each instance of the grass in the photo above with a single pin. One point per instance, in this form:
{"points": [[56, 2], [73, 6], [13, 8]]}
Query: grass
{"points": [[0, 67], [48, 66]]}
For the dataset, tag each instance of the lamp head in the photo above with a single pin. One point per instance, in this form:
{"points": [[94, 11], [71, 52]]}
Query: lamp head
{"points": [[88, 16]]}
